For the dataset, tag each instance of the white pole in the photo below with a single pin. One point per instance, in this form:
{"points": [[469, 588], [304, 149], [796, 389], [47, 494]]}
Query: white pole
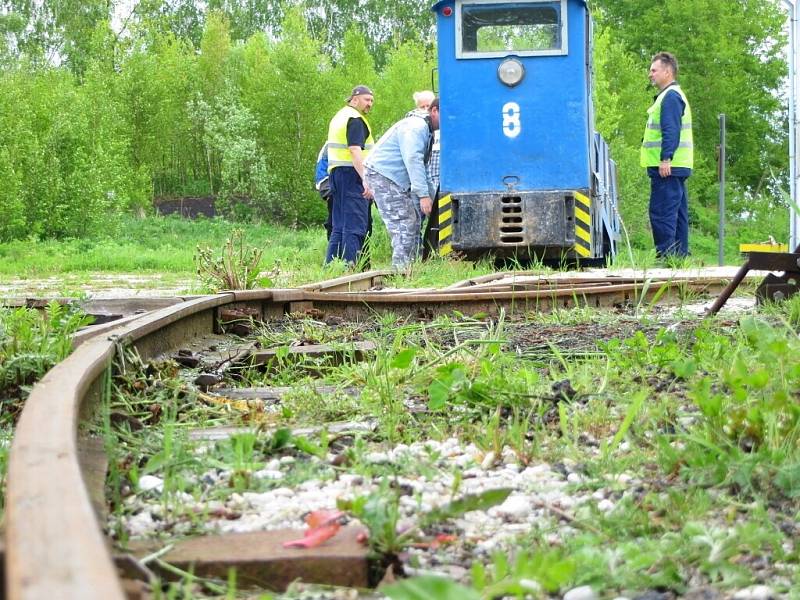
{"points": [[794, 130]]}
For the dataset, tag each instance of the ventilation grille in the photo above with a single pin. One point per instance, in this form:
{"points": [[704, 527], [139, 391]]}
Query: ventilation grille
{"points": [[512, 226]]}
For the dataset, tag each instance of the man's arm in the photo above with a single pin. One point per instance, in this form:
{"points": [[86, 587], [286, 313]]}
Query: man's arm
{"points": [[413, 140], [358, 164], [432, 167], [321, 170], [672, 108], [357, 133]]}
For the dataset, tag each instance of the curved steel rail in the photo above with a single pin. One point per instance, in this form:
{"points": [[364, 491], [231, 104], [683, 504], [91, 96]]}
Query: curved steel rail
{"points": [[54, 544]]}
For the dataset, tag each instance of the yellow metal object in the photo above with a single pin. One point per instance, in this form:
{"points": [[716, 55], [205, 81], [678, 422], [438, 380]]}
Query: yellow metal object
{"points": [[445, 225], [763, 247], [583, 225], [253, 405]]}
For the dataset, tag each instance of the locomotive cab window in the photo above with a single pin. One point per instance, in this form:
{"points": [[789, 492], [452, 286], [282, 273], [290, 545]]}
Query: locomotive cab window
{"points": [[495, 28]]}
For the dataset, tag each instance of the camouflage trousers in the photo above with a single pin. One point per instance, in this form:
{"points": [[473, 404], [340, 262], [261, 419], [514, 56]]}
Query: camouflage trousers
{"points": [[402, 215]]}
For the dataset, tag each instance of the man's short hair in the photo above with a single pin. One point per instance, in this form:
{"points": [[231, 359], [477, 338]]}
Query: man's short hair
{"points": [[668, 59], [435, 103]]}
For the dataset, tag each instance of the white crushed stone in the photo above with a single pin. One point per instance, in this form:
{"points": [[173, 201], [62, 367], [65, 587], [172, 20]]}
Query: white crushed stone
{"points": [[538, 492], [516, 507], [488, 461], [141, 524], [575, 478], [534, 488], [756, 592], [148, 483], [268, 474], [378, 458], [581, 593], [605, 505]]}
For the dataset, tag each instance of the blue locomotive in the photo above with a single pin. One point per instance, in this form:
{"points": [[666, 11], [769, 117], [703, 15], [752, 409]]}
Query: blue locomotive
{"points": [[523, 172]]}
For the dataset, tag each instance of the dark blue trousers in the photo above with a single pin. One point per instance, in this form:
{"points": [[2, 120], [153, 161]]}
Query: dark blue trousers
{"points": [[669, 215], [349, 215]]}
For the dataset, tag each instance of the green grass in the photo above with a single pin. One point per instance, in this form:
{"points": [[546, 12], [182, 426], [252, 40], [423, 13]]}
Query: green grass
{"points": [[161, 250], [31, 342], [155, 244], [702, 418]]}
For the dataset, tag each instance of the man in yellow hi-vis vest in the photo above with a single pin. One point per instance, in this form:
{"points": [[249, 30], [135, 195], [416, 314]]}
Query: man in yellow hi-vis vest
{"points": [[349, 142], [668, 154]]}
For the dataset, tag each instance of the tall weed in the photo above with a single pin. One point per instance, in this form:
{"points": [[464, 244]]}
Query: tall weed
{"points": [[31, 342]]}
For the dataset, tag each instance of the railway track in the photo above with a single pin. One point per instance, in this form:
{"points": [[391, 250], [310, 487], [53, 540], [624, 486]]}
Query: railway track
{"points": [[55, 543]]}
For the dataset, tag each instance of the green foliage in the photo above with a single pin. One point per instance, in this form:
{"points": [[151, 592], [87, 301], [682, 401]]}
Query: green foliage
{"points": [[239, 453], [750, 425], [289, 87], [215, 47], [527, 573], [664, 554], [452, 384], [407, 70], [619, 87], [179, 18], [67, 167], [229, 136], [379, 511], [156, 87], [385, 25], [487, 380], [757, 218], [357, 63], [62, 28], [424, 588]]}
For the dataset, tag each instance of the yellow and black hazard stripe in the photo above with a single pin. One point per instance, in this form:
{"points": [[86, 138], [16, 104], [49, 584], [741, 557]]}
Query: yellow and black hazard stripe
{"points": [[583, 225], [445, 225]]}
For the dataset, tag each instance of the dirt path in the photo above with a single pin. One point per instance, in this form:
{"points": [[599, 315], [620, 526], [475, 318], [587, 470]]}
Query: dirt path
{"points": [[98, 285]]}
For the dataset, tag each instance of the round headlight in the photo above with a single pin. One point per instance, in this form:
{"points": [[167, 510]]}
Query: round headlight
{"points": [[511, 72]]}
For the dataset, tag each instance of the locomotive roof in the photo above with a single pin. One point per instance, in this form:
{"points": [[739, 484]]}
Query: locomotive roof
{"points": [[441, 2]]}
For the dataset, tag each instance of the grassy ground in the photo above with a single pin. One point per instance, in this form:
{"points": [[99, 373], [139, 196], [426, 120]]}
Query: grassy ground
{"points": [[687, 430], [700, 419], [157, 245], [160, 251]]}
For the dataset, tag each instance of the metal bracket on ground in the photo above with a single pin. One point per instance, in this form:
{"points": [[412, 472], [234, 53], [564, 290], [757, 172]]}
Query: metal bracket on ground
{"points": [[774, 288]]}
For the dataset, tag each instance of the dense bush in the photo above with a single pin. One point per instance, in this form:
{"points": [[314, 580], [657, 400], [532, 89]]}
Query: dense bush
{"points": [[65, 162]]}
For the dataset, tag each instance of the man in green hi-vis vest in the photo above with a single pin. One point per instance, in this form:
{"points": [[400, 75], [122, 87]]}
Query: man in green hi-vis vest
{"points": [[349, 142], [668, 154]]}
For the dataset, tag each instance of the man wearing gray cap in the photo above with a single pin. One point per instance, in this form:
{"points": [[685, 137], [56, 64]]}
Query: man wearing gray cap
{"points": [[349, 142]]}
